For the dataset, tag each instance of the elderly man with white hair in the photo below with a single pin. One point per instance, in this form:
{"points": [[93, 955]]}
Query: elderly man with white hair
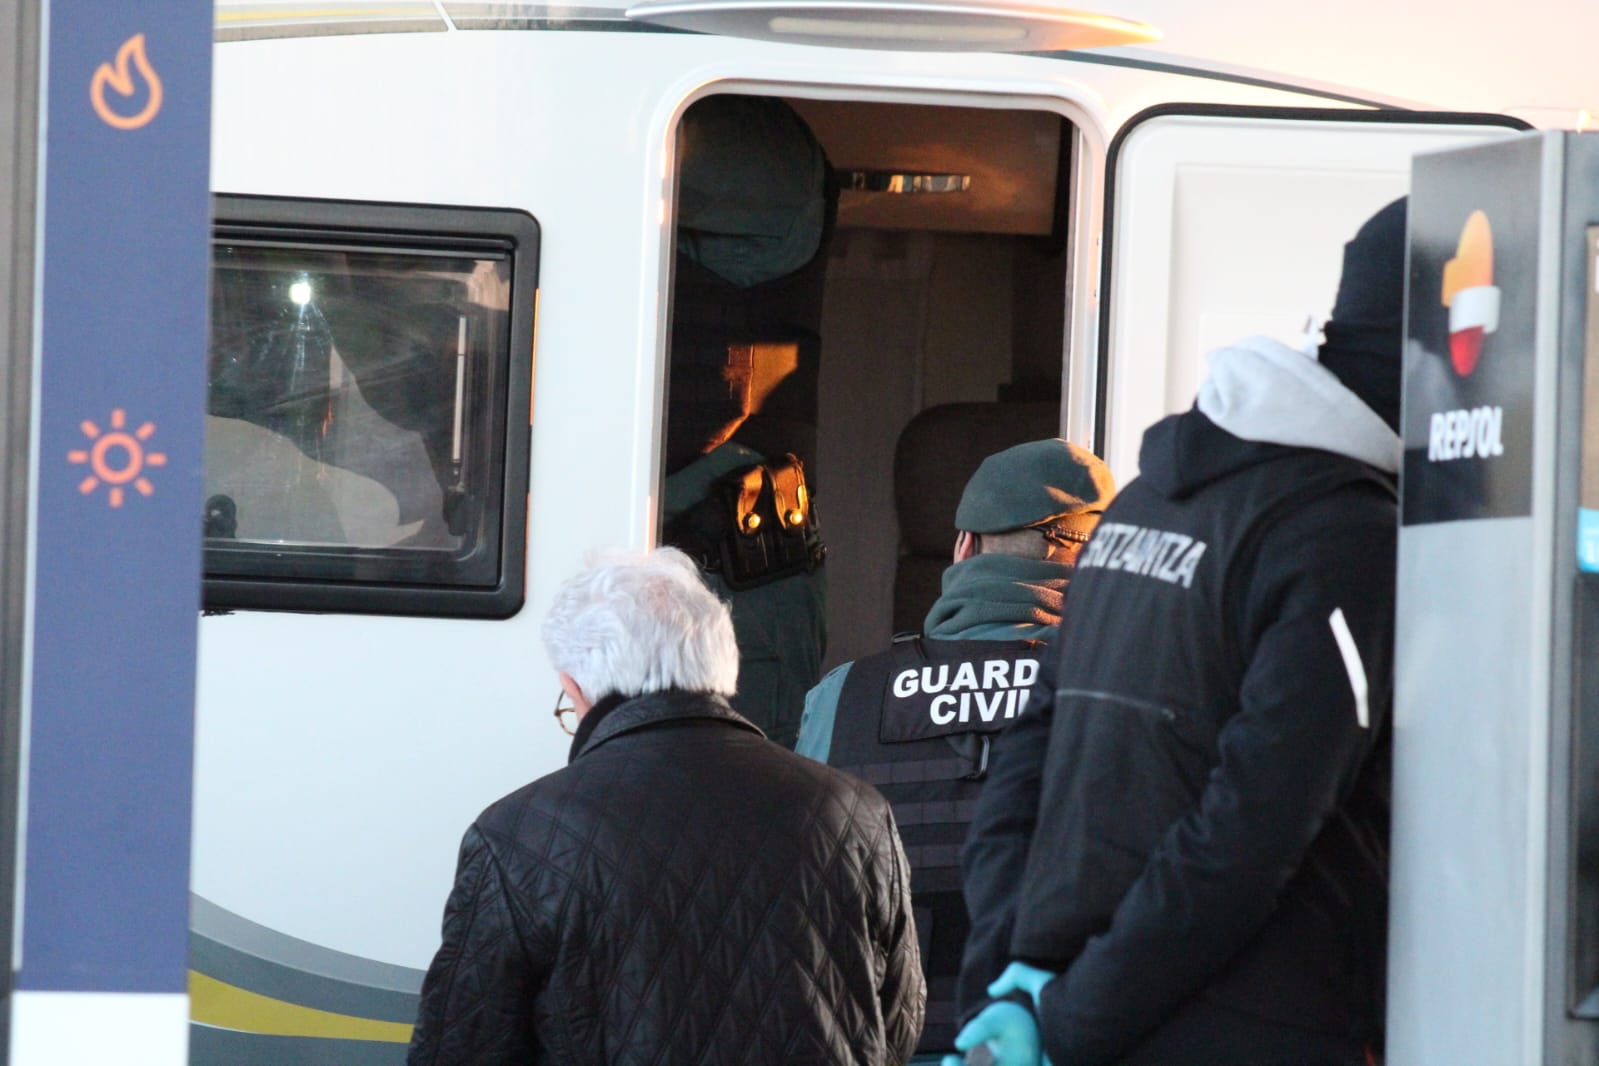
{"points": [[683, 891]]}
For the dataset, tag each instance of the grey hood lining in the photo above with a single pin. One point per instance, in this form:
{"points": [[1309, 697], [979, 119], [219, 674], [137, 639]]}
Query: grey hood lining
{"points": [[1262, 390]]}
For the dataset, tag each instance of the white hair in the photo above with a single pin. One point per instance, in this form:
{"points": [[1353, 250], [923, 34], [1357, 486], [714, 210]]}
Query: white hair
{"points": [[630, 624]]}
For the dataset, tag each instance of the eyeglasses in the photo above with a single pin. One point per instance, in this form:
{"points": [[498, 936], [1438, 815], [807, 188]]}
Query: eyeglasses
{"points": [[1062, 538], [565, 714]]}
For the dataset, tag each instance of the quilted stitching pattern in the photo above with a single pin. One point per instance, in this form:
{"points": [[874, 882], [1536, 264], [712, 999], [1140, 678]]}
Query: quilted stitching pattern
{"points": [[686, 894]]}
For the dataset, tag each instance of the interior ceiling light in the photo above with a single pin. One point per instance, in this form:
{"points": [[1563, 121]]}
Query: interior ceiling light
{"points": [[860, 180], [911, 25]]}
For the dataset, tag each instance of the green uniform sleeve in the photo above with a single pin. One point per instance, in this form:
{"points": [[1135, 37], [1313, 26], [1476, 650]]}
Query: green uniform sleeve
{"points": [[821, 708]]}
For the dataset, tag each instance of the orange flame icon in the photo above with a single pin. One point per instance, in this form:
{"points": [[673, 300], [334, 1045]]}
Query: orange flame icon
{"points": [[131, 457], [129, 57], [1470, 294]]}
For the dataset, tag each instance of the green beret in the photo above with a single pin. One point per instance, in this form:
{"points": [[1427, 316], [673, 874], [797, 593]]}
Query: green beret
{"points": [[1034, 483]]}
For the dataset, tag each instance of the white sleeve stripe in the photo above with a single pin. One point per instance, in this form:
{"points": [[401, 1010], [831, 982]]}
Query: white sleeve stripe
{"points": [[1352, 665]]}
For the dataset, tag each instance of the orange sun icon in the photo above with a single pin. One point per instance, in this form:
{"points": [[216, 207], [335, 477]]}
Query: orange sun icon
{"points": [[117, 457]]}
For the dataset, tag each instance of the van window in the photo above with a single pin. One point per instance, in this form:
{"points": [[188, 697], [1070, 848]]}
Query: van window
{"points": [[364, 380]]}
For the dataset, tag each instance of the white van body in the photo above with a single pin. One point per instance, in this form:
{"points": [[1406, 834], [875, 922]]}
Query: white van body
{"points": [[340, 756]]}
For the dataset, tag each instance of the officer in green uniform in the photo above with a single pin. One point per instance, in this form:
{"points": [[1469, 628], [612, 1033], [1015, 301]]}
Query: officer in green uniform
{"points": [[733, 498], [756, 206], [916, 720]]}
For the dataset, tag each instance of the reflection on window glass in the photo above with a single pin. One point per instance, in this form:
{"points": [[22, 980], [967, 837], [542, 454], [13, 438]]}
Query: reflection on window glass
{"points": [[346, 406]]}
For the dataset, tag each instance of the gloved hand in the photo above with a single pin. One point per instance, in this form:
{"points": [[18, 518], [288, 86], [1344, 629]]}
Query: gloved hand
{"points": [[1010, 1033], [1020, 977]]}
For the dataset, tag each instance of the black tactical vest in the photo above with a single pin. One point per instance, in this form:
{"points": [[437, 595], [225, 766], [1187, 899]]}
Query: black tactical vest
{"points": [[757, 524], [916, 721]]}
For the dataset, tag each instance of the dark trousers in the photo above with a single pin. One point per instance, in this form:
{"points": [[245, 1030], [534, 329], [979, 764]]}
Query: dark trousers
{"points": [[1206, 1034]]}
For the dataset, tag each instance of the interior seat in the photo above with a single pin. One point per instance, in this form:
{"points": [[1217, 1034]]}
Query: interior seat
{"points": [[937, 452]]}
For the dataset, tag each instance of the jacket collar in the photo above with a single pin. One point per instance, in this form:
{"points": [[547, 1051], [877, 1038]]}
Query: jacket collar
{"points": [[658, 708]]}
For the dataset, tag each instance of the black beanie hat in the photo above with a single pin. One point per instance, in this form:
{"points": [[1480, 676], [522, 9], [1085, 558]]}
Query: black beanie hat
{"points": [[1365, 336]]}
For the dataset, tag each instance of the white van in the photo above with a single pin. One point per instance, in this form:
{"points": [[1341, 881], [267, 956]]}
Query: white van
{"points": [[445, 260]]}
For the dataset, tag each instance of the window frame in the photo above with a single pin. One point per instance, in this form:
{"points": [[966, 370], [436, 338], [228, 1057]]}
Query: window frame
{"points": [[318, 224]]}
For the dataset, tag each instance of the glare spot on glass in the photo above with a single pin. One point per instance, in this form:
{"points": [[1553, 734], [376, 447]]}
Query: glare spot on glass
{"points": [[300, 292]]}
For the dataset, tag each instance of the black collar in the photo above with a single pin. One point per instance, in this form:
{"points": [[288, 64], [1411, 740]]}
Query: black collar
{"points": [[590, 721], [614, 715]]}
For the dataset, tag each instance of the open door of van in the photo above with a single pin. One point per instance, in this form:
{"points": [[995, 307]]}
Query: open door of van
{"points": [[1224, 222]]}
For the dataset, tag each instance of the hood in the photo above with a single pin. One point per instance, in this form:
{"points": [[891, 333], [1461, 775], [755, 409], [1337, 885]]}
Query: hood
{"points": [[1262, 396]]}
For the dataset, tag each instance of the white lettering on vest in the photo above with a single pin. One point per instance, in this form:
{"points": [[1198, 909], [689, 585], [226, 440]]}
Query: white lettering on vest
{"points": [[965, 678], [1003, 689], [986, 709], [994, 672]]}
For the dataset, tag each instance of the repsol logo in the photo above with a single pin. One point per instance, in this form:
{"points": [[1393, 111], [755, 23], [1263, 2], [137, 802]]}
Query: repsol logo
{"points": [[1001, 692], [1474, 433], [1155, 553]]}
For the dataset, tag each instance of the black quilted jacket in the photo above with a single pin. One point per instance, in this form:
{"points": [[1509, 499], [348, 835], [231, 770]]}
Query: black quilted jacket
{"points": [[684, 893]]}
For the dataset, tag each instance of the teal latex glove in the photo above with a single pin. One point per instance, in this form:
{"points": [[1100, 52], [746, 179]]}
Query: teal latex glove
{"points": [[1020, 977], [1010, 1033]]}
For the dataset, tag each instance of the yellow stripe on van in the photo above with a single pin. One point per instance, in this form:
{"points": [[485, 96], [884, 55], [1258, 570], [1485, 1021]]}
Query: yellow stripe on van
{"points": [[216, 1003]]}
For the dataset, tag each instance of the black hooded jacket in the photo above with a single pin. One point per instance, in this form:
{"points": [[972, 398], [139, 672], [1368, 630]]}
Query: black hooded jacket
{"points": [[1200, 807], [685, 892]]}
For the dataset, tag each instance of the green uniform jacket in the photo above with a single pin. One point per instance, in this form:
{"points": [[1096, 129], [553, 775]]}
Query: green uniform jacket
{"points": [[781, 626]]}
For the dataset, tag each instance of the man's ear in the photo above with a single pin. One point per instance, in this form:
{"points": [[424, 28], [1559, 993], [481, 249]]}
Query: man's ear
{"points": [[965, 546], [575, 693]]}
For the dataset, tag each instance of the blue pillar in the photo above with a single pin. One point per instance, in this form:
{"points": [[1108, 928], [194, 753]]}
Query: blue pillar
{"points": [[120, 321]]}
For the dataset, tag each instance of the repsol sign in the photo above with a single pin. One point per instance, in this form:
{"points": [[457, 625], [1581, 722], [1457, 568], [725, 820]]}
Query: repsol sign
{"points": [[1469, 433]]}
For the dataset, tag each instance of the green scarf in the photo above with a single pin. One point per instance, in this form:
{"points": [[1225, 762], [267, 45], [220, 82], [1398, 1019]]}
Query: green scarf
{"points": [[1002, 595]]}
